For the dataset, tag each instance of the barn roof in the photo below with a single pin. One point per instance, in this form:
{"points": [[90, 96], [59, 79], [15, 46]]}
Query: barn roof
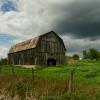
{"points": [[24, 45], [31, 43]]}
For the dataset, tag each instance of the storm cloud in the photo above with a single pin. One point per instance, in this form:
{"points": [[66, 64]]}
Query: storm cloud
{"points": [[80, 18]]}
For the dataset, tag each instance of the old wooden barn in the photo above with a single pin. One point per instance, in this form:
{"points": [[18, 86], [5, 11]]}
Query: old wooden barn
{"points": [[46, 49]]}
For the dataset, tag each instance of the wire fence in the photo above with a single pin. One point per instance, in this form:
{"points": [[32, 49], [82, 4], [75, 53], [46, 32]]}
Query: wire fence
{"points": [[31, 72], [20, 71]]}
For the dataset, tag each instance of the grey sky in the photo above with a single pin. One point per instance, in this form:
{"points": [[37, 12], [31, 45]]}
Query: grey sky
{"points": [[76, 21]]}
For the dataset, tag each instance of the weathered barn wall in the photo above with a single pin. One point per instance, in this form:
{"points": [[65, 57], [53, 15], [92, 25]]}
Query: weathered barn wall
{"points": [[49, 46]]}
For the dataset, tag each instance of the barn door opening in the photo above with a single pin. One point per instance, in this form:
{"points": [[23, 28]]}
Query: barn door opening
{"points": [[51, 62]]}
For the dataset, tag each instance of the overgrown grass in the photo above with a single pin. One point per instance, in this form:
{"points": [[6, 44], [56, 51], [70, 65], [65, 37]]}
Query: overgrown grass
{"points": [[85, 71], [53, 81]]}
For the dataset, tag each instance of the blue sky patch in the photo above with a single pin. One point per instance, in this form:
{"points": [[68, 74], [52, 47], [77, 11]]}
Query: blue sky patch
{"points": [[6, 39], [7, 6]]}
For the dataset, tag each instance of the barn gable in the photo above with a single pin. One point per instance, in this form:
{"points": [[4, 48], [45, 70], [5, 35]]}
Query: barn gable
{"points": [[53, 37]]}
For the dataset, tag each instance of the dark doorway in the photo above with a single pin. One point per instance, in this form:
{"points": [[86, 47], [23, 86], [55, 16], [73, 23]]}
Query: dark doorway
{"points": [[51, 62]]}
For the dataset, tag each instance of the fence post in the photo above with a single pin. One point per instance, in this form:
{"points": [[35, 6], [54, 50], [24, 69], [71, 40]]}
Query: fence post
{"points": [[71, 83], [32, 73], [13, 72], [0, 68]]}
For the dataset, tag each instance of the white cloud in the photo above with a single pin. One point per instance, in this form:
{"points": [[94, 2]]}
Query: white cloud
{"points": [[3, 52], [33, 17], [27, 21]]}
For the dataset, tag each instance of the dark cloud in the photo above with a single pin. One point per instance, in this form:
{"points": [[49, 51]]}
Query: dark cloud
{"points": [[80, 19]]}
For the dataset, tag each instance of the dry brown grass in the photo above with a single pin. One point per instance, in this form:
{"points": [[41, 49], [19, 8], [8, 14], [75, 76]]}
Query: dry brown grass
{"points": [[70, 61], [24, 88]]}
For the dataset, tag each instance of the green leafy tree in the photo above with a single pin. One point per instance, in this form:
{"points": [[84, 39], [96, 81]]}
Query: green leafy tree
{"points": [[93, 54]]}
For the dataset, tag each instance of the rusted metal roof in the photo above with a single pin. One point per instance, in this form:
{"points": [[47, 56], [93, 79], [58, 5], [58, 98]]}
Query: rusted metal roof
{"points": [[32, 43]]}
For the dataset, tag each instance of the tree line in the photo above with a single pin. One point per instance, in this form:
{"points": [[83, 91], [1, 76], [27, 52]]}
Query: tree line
{"points": [[3, 61], [92, 54]]}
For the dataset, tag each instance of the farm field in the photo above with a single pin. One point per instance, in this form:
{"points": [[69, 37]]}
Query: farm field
{"points": [[55, 80], [85, 71]]}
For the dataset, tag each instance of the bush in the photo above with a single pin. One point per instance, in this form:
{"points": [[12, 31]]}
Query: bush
{"points": [[3, 61], [76, 57]]}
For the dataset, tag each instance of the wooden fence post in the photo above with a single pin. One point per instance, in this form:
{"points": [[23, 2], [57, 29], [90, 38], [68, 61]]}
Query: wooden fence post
{"points": [[13, 72], [71, 83], [0, 68], [32, 73]]}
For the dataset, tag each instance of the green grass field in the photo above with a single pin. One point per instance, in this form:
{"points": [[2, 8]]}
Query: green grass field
{"points": [[85, 71], [86, 79]]}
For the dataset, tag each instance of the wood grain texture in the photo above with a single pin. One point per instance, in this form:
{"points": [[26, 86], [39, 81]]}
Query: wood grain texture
{"points": [[49, 46]]}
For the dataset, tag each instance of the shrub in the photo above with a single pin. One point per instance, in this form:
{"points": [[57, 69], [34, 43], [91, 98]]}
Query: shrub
{"points": [[76, 57]]}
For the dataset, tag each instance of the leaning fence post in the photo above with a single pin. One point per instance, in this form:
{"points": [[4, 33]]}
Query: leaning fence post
{"points": [[32, 73]]}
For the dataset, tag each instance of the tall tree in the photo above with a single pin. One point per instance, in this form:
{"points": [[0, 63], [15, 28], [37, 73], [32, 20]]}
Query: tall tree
{"points": [[93, 54]]}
